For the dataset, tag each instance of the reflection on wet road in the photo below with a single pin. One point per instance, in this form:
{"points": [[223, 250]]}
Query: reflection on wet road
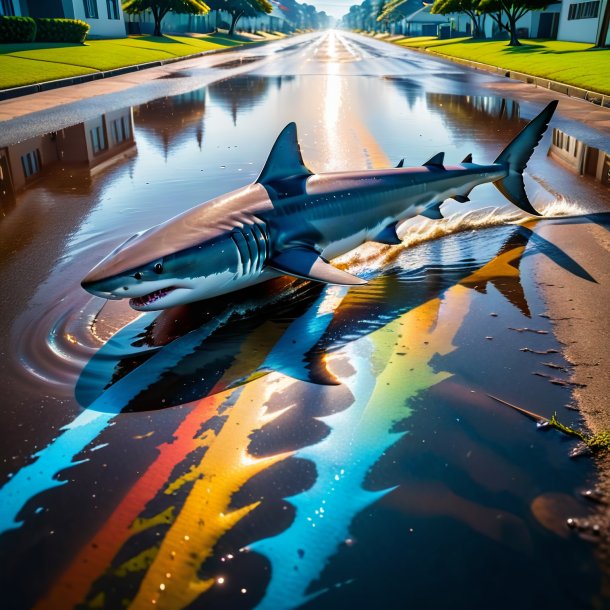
{"points": [[292, 445]]}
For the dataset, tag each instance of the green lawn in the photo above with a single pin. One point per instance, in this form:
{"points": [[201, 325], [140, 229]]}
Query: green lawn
{"points": [[573, 63], [24, 64]]}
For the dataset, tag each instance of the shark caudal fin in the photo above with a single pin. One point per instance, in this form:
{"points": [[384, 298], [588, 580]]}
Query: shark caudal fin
{"points": [[516, 155]]}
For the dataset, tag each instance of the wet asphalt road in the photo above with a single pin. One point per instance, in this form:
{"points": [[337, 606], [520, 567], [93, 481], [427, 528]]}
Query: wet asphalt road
{"points": [[198, 458]]}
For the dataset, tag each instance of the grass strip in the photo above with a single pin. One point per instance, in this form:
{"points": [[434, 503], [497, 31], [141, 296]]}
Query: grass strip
{"points": [[29, 63], [573, 63]]}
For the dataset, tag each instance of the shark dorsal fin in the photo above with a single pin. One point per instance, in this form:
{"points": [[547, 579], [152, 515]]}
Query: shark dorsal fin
{"points": [[436, 161], [400, 163], [285, 158], [467, 158]]}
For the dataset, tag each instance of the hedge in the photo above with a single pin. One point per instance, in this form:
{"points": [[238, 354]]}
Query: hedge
{"points": [[26, 29], [17, 29], [60, 30]]}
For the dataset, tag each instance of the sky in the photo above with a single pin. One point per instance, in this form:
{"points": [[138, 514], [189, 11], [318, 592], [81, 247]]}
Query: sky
{"points": [[334, 8]]}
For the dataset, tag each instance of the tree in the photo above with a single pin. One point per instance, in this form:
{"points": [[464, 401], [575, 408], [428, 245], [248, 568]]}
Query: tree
{"points": [[468, 7], [603, 29], [241, 8], [397, 10], [160, 8], [513, 10]]}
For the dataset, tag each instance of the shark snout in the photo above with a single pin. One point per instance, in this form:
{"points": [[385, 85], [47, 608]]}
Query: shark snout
{"points": [[127, 287], [99, 291]]}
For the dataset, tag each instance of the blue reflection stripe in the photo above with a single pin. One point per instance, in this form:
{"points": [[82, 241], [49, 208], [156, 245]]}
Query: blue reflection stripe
{"points": [[41, 474], [325, 512]]}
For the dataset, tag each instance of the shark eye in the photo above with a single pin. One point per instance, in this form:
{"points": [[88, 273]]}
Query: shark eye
{"points": [[158, 268], [137, 275]]}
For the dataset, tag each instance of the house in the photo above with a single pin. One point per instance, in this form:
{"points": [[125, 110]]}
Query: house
{"points": [[175, 23], [104, 16], [534, 24], [423, 23], [180, 23], [94, 144], [419, 21], [585, 21]]}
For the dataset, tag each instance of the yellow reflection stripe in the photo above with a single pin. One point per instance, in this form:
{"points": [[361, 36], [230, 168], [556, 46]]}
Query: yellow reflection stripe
{"points": [[172, 582]]}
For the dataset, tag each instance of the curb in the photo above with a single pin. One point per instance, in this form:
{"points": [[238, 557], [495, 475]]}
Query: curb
{"points": [[6, 94], [600, 99]]}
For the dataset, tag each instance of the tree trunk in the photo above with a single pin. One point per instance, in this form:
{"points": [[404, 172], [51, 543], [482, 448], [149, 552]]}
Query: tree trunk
{"points": [[157, 18], [234, 19], [157, 31], [512, 28], [603, 30], [481, 24], [478, 32]]}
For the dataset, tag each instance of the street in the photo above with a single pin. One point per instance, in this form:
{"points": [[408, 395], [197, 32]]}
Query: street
{"points": [[297, 444]]}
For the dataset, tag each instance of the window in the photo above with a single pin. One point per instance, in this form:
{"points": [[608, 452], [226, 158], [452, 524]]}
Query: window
{"points": [[90, 9], [120, 130], [7, 8], [31, 163], [583, 10], [98, 139], [113, 9]]}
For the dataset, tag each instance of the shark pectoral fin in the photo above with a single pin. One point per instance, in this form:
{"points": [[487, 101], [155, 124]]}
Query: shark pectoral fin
{"points": [[436, 161], [308, 264], [461, 198], [285, 158], [433, 212], [388, 236]]}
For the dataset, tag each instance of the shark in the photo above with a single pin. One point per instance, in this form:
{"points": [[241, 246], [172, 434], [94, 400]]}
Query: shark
{"points": [[294, 327], [291, 221]]}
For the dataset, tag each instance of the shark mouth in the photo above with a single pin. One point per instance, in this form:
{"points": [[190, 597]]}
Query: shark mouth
{"points": [[149, 299]]}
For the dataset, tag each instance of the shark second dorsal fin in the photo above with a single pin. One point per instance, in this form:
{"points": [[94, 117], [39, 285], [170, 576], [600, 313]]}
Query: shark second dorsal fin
{"points": [[308, 264], [285, 158], [388, 236], [433, 211], [436, 161], [400, 163], [467, 158]]}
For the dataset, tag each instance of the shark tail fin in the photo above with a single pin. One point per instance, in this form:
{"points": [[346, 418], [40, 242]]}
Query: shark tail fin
{"points": [[516, 155]]}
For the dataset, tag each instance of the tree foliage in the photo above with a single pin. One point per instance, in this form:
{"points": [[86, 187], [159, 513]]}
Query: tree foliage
{"points": [[468, 7], [241, 8], [160, 8], [395, 10]]}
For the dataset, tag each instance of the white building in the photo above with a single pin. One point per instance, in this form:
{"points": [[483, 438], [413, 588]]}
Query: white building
{"points": [[581, 21], [104, 16], [534, 24]]}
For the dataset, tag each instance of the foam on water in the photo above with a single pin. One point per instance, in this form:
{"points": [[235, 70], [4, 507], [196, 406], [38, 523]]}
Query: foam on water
{"points": [[419, 230]]}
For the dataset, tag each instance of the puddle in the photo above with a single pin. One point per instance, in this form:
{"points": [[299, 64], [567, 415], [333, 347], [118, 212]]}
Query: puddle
{"points": [[236, 63], [256, 451], [580, 158]]}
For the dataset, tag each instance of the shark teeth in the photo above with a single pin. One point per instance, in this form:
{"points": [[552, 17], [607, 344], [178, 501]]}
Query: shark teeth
{"points": [[147, 299]]}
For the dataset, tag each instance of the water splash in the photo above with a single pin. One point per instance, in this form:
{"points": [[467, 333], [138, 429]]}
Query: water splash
{"points": [[419, 230]]}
